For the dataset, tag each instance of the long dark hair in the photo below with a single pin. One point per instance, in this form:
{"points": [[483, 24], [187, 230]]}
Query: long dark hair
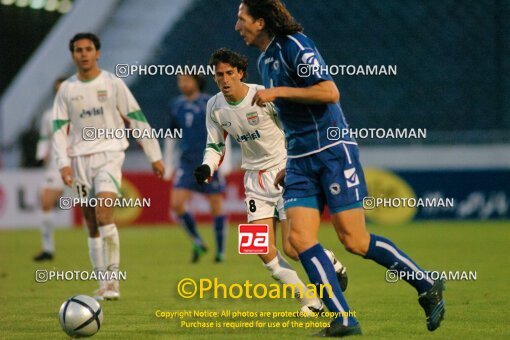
{"points": [[277, 18]]}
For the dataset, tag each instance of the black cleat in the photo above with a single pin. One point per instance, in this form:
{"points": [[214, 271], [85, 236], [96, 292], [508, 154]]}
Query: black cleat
{"points": [[337, 330], [219, 258], [198, 252], [433, 304], [43, 256]]}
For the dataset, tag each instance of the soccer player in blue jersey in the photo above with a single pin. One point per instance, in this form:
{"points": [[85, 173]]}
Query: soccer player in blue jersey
{"points": [[320, 170], [187, 112]]}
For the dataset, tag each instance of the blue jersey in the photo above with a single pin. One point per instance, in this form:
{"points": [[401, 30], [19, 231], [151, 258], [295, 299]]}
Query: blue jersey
{"points": [[294, 61], [190, 117]]}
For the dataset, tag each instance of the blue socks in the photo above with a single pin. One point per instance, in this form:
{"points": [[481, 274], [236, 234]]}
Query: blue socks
{"points": [[384, 252], [188, 223], [220, 234], [320, 270]]}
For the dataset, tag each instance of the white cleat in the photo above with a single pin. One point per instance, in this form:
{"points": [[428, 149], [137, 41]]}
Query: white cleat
{"points": [[112, 291], [311, 310]]}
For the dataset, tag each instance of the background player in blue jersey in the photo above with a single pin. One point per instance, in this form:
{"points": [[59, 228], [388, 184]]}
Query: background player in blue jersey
{"points": [[321, 169], [187, 112]]}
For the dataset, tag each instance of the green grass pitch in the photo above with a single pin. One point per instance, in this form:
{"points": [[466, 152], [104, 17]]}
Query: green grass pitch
{"points": [[155, 259]]}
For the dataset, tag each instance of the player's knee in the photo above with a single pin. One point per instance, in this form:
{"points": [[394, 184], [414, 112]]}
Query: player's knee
{"points": [[177, 207], [216, 205], [216, 210], [104, 216], [92, 228], [271, 254], [90, 221], [47, 205], [94, 233]]}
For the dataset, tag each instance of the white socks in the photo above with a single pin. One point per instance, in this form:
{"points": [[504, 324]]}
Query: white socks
{"points": [[48, 243], [96, 254], [104, 251], [111, 243], [283, 272]]}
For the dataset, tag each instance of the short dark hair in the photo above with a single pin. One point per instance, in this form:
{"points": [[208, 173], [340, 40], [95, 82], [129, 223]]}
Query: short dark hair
{"points": [[234, 59], [200, 81], [60, 79], [85, 35], [276, 16]]}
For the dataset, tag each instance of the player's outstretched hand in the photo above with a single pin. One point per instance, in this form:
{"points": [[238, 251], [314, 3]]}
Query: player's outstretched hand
{"points": [[279, 179], [202, 173], [67, 175], [264, 96], [158, 168]]}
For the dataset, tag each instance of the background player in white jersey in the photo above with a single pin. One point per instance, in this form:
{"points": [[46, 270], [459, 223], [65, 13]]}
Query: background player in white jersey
{"points": [[52, 187], [262, 143], [90, 100]]}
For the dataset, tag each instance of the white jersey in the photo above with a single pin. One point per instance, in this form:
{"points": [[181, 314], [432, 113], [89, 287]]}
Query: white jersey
{"points": [[52, 179], [44, 151], [104, 102], [255, 128]]}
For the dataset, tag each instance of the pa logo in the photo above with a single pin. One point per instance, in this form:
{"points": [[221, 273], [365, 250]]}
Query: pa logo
{"points": [[334, 188]]}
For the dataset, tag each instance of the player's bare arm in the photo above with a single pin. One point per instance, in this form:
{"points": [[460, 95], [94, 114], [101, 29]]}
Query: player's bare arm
{"points": [[324, 92]]}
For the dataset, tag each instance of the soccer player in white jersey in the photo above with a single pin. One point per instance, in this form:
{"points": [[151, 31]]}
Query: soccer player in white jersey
{"points": [[262, 143], [52, 187], [90, 100]]}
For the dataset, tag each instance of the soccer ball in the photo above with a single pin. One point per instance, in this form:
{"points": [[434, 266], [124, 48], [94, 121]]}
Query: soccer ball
{"points": [[80, 316]]}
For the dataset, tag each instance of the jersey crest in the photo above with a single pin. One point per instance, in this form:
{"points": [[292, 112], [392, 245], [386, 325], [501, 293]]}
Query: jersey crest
{"points": [[253, 118], [102, 95]]}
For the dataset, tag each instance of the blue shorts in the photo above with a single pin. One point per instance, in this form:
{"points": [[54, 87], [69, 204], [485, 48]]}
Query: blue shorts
{"points": [[184, 179], [333, 177]]}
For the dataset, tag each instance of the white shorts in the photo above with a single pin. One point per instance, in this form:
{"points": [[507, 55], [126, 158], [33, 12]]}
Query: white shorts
{"points": [[263, 200], [98, 172], [52, 179]]}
